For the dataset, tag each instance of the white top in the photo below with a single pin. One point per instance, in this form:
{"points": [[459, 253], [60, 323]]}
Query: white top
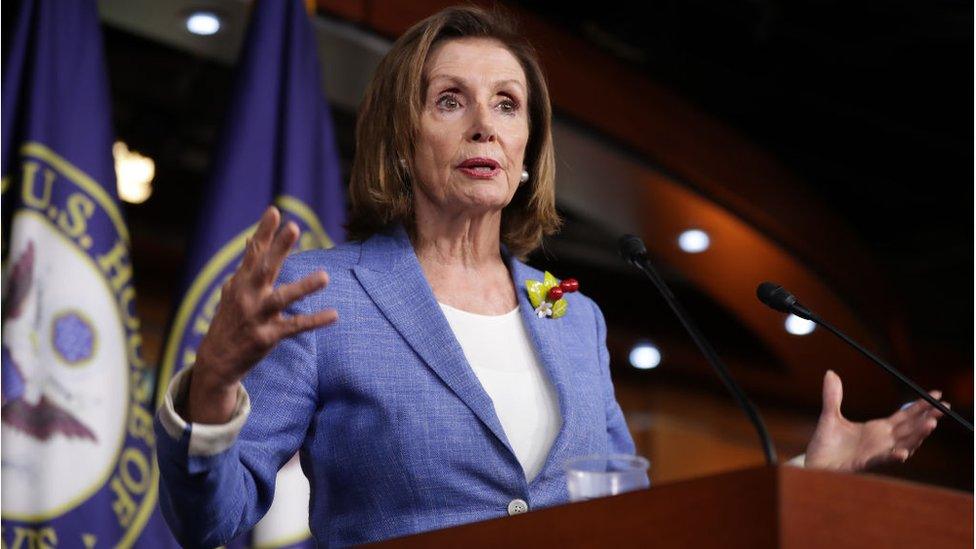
{"points": [[501, 354]]}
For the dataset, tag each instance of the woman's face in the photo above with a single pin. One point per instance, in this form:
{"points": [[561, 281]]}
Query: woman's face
{"points": [[469, 156]]}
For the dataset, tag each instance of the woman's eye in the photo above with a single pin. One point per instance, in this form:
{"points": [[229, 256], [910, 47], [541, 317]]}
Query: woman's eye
{"points": [[448, 102], [508, 106]]}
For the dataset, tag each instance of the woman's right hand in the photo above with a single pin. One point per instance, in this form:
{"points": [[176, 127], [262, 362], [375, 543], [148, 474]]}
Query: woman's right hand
{"points": [[249, 321]]}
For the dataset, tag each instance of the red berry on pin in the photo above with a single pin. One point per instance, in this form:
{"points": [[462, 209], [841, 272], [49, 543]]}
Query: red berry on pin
{"points": [[569, 285], [555, 294]]}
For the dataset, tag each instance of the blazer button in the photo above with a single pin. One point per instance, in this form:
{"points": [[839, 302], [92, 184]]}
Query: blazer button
{"points": [[517, 507]]}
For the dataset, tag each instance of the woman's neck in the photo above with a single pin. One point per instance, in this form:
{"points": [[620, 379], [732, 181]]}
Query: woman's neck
{"points": [[462, 243], [461, 259]]}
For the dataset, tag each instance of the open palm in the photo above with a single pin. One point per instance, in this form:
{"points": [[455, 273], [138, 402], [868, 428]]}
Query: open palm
{"points": [[842, 445]]}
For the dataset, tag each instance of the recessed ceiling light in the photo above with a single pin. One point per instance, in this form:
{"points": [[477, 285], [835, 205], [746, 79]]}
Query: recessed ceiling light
{"points": [[644, 356], [694, 241], [203, 23], [799, 326]]}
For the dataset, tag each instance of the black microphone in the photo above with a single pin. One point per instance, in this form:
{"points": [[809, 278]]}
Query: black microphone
{"points": [[632, 246], [633, 250], [777, 297]]}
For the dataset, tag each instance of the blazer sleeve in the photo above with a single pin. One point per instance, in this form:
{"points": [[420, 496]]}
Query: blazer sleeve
{"points": [[619, 439], [208, 500]]}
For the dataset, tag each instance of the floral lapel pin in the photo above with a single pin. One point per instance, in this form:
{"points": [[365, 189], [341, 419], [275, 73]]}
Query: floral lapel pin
{"points": [[546, 295]]}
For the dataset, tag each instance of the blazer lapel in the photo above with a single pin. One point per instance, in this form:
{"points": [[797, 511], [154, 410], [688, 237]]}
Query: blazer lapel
{"points": [[546, 335], [391, 274]]}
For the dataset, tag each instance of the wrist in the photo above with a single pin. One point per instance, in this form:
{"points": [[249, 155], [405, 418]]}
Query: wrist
{"points": [[208, 381], [214, 373], [211, 399]]}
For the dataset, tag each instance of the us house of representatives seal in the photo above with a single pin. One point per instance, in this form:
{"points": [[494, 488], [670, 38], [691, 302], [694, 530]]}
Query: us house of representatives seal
{"points": [[77, 441]]}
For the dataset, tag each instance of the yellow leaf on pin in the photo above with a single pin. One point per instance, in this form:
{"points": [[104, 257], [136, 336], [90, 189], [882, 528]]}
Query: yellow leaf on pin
{"points": [[549, 281], [537, 292], [559, 307]]}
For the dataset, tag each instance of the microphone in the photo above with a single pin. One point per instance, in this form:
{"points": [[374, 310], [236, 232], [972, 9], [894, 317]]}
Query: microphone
{"points": [[632, 246], [633, 250], [778, 298]]}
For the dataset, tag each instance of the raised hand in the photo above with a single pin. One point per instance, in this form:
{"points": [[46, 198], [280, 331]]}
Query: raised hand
{"points": [[249, 321], [842, 445]]}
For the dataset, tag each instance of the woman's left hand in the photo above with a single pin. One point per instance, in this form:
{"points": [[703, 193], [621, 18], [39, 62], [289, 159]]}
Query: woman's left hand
{"points": [[842, 445]]}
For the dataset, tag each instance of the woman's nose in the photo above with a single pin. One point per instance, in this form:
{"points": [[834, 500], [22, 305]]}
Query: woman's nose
{"points": [[482, 130]]}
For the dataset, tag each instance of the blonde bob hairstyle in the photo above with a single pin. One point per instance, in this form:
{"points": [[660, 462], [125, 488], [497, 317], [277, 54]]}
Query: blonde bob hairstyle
{"points": [[380, 188]]}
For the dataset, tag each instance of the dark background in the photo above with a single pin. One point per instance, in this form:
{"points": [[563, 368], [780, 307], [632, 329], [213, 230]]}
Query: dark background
{"points": [[869, 103]]}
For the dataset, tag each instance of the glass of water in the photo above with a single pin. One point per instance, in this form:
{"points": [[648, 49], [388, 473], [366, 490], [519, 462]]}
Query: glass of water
{"points": [[603, 475]]}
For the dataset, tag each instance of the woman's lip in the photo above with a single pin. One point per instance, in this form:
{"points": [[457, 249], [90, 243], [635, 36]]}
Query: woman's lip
{"points": [[479, 161], [480, 174]]}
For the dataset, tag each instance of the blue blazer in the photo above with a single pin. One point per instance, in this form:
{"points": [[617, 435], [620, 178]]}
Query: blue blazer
{"points": [[395, 432]]}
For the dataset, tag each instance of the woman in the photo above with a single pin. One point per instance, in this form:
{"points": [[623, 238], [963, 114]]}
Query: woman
{"points": [[420, 386]]}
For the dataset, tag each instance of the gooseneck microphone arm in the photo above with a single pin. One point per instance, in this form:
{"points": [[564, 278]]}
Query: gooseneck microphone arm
{"points": [[632, 249], [776, 297]]}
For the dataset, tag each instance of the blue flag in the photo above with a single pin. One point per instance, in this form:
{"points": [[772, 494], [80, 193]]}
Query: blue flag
{"points": [[78, 466], [277, 147]]}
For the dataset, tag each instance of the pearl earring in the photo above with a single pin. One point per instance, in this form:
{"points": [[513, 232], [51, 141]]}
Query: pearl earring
{"points": [[525, 176]]}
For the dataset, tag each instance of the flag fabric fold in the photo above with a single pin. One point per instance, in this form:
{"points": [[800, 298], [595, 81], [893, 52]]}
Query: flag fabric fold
{"points": [[77, 442], [277, 147]]}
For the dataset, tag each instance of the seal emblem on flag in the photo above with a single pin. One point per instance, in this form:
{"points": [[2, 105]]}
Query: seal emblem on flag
{"points": [[76, 411]]}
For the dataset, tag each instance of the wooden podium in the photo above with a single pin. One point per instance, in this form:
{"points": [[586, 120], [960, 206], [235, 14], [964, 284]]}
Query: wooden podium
{"points": [[761, 507]]}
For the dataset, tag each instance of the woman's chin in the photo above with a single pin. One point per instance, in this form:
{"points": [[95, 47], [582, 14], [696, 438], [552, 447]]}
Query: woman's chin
{"points": [[489, 203], [483, 198]]}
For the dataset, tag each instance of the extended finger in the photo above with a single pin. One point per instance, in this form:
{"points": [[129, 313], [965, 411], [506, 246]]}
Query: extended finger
{"points": [[832, 394], [922, 410], [292, 325], [258, 242], [267, 226], [934, 412], [280, 247], [918, 407], [287, 294], [250, 255], [911, 433]]}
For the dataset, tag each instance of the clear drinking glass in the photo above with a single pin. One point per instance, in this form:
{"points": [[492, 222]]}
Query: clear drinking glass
{"points": [[603, 475]]}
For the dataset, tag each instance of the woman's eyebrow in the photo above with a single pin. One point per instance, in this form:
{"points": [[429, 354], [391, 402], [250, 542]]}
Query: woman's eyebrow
{"points": [[462, 83], [518, 83], [450, 78]]}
